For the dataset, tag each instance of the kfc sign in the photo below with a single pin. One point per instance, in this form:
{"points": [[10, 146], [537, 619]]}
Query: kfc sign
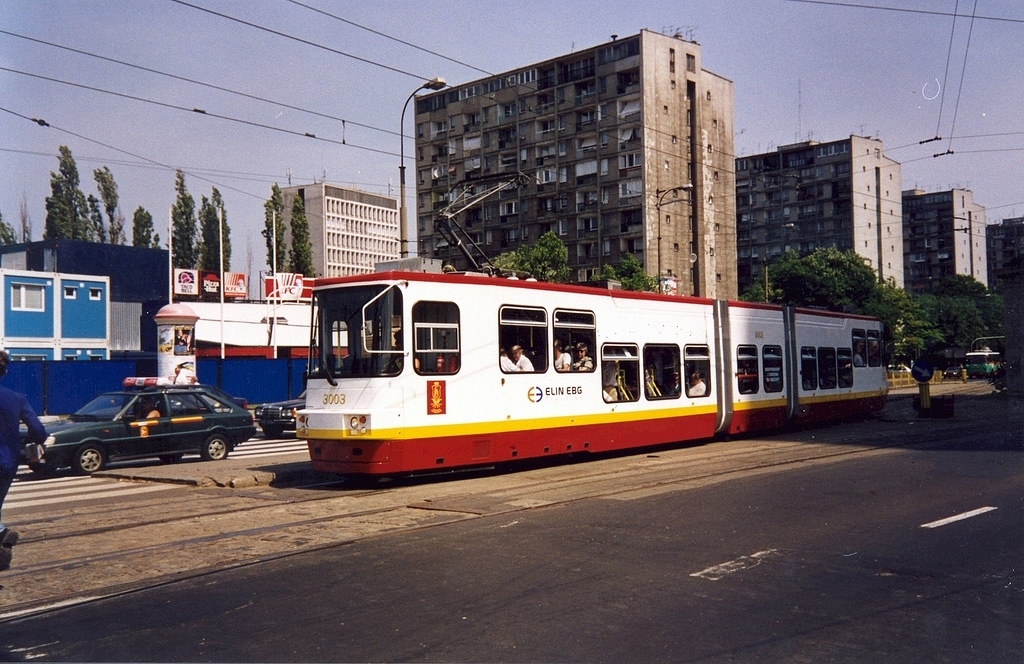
{"points": [[287, 286], [235, 285]]}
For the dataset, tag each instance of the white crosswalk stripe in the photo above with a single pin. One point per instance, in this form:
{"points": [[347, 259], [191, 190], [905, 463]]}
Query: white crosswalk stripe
{"points": [[29, 491], [268, 447]]}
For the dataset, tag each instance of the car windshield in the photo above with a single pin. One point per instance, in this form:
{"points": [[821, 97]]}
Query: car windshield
{"points": [[104, 407]]}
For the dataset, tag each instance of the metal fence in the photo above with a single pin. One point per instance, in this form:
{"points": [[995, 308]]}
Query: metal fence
{"points": [[59, 388]]}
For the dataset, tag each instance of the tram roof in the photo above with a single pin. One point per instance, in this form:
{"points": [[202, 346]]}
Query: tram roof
{"points": [[480, 279]]}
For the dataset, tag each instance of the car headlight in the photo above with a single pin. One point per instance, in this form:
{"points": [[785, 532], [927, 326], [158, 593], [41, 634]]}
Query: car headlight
{"points": [[50, 440]]}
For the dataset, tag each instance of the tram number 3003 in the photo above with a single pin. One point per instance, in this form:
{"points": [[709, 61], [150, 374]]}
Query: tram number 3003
{"points": [[334, 399]]}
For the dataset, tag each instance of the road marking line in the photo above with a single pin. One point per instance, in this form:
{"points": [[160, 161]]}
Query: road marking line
{"points": [[743, 562], [958, 517], [15, 504]]}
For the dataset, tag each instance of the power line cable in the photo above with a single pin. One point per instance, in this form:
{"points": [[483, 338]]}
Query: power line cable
{"points": [[201, 112], [963, 72], [301, 40], [196, 82], [44, 123], [905, 10], [945, 76], [394, 39]]}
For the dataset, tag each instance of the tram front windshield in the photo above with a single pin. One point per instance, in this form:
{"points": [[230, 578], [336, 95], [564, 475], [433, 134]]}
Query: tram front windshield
{"points": [[357, 332]]}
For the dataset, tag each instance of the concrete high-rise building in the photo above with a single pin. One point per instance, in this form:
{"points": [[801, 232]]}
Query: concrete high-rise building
{"points": [[627, 151], [944, 234], [843, 194], [1004, 246], [350, 230]]}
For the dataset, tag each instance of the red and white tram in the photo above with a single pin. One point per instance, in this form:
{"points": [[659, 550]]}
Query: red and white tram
{"points": [[412, 372]]}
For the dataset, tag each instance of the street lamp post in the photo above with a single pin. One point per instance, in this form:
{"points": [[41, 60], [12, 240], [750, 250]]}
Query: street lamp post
{"points": [[403, 235], [661, 194]]}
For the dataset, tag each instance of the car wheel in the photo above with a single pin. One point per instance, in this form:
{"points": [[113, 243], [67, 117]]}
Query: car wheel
{"points": [[88, 459], [273, 430], [215, 448], [170, 458]]}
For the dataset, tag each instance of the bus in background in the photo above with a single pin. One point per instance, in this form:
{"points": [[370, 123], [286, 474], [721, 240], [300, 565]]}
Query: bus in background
{"points": [[982, 363]]}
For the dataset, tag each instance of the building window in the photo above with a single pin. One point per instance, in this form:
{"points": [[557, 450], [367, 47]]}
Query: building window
{"points": [[95, 294], [27, 297], [70, 292]]}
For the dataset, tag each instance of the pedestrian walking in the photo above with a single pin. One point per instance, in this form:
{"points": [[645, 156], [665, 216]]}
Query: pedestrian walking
{"points": [[14, 409]]}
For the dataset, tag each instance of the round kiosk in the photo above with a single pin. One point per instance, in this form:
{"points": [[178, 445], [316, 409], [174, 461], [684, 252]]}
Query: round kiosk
{"points": [[176, 343]]}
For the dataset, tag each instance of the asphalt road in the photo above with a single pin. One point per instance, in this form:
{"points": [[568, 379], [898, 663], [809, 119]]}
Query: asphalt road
{"points": [[803, 562]]}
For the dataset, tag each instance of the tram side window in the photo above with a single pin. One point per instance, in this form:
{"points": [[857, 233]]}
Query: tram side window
{"points": [[808, 368], [746, 369], [697, 370], [436, 338], [844, 358], [523, 340], [620, 372], [874, 348], [827, 368], [772, 356], [575, 330], [860, 348], [662, 375]]}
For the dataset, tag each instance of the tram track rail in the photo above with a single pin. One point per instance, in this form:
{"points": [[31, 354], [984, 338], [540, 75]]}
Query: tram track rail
{"points": [[144, 544]]}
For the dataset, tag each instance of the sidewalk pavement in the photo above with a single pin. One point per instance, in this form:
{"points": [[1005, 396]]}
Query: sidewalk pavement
{"points": [[295, 468]]}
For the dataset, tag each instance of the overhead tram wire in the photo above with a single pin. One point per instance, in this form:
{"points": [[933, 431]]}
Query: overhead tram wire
{"points": [[963, 72], [301, 40], [945, 76], [394, 39], [45, 124], [196, 82], [905, 10], [200, 111]]}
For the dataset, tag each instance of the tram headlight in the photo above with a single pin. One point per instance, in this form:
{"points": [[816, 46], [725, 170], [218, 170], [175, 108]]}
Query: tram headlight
{"points": [[359, 424]]}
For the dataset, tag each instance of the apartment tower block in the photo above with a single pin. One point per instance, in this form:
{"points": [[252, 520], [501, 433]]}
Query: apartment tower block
{"points": [[626, 149]]}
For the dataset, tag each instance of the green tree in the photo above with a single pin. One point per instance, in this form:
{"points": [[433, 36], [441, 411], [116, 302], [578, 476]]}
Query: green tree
{"points": [[631, 274], [547, 259], [908, 330], [963, 310], [108, 194], [142, 230], [273, 215], [827, 278], [7, 234], [67, 211], [96, 229], [183, 225], [213, 220], [301, 256]]}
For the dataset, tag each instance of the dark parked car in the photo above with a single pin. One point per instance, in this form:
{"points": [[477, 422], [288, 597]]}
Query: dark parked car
{"points": [[166, 422], [277, 417]]}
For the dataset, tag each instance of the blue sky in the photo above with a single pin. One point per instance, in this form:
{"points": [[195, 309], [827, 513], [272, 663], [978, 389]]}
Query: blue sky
{"points": [[801, 70]]}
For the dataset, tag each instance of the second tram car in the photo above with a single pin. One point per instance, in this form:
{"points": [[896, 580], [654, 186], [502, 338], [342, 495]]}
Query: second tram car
{"points": [[415, 372]]}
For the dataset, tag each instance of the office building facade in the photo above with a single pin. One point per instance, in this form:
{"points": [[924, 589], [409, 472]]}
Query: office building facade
{"points": [[350, 230], [944, 235], [625, 148], [843, 194]]}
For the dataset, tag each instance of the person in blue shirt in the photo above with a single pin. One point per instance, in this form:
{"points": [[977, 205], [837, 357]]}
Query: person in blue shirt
{"points": [[14, 409]]}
